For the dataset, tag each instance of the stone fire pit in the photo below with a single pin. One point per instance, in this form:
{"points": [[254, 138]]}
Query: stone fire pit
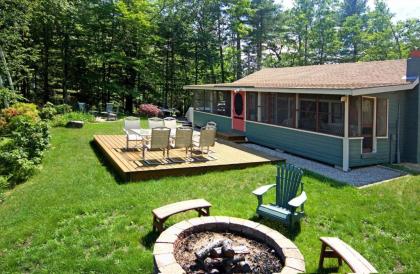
{"points": [[169, 245]]}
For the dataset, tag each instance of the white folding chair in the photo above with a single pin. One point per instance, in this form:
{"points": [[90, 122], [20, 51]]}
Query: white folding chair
{"points": [[159, 141], [130, 124], [155, 122]]}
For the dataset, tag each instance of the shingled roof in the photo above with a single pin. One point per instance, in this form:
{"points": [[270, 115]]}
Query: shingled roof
{"points": [[348, 76]]}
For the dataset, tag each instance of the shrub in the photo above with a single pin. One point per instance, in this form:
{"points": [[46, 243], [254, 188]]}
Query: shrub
{"points": [[48, 111], [21, 154], [3, 186], [8, 98], [63, 108], [21, 109], [149, 110], [62, 120]]}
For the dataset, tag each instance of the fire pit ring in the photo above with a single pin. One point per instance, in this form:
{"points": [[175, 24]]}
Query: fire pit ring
{"points": [[164, 249]]}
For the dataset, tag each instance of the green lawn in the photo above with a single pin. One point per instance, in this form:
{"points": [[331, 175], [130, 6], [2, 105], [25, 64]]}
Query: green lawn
{"points": [[73, 216]]}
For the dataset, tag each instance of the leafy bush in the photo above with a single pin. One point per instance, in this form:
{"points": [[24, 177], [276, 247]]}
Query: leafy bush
{"points": [[8, 98], [48, 111], [62, 120], [21, 109], [27, 138], [63, 108], [3, 186], [149, 110]]}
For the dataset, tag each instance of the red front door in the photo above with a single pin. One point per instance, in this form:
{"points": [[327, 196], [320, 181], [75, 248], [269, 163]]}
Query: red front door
{"points": [[238, 110]]}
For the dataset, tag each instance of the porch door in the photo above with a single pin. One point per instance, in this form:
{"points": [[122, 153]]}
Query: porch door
{"points": [[238, 110], [368, 106]]}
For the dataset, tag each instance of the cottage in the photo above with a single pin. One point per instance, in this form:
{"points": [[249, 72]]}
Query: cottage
{"points": [[347, 115]]}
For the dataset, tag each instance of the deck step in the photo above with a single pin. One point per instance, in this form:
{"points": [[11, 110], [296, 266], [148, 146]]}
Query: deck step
{"points": [[232, 136]]}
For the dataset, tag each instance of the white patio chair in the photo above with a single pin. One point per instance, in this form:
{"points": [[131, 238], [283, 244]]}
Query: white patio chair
{"points": [[211, 124], [170, 122], [183, 139], [207, 139], [155, 122], [131, 123], [159, 141], [111, 115], [82, 106]]}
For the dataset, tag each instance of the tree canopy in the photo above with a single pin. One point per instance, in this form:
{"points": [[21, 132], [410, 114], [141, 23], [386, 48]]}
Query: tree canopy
{"points": [[143, 51]]}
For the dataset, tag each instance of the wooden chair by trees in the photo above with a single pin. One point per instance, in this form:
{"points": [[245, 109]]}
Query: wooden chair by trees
{"points": [[285, 209], [131, 123], [183, 139], [158, 141]]}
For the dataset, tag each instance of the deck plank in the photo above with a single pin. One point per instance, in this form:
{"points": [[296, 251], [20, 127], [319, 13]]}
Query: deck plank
{"points": [[131, 167]]}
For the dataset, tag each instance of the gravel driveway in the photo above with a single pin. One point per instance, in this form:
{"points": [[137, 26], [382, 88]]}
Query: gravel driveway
{"points": [[356, 177]]}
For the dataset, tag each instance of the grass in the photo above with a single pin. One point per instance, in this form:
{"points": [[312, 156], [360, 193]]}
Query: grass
{"points": [[73, 216]]}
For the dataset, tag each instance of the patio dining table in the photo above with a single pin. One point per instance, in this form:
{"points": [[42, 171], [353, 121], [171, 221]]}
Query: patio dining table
{"points": [[147, 132]]}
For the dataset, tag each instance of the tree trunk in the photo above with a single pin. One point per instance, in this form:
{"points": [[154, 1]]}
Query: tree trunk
{"points": [[46, 49], [238, 57], [6, 68], [222, 62], [65, 65]]}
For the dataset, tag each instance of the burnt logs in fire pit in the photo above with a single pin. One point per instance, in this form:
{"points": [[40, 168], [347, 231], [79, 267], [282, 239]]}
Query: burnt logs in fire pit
{"points": [[195, 246], [220, 256]]}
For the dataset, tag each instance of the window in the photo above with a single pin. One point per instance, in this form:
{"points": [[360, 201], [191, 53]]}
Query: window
{"points": [[381, 117], [322, 113], [252, 106]]}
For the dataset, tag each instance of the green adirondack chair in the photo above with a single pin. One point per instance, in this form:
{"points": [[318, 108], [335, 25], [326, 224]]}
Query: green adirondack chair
{"points": [[286, 209]]}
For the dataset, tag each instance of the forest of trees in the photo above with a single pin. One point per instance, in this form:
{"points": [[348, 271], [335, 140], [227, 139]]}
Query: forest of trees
{"points": [[132, 51]]}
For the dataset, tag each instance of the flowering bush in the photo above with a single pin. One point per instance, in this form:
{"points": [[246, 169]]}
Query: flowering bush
{"points": [[149, 110], [21, 109], [23, 140]]}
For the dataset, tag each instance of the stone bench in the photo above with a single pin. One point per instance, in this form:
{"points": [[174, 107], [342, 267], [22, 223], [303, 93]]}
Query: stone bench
{"points": [[335, 248], [161, 214]]}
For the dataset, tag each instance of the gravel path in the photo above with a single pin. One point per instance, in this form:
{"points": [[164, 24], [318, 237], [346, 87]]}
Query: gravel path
{"points": [[356, 177]]}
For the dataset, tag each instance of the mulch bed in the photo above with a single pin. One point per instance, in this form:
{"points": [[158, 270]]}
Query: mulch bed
{"points": [[260, 257]]}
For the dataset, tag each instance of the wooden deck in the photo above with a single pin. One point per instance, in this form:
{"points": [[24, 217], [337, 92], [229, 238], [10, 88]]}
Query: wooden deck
{"points": [[131, 167]]}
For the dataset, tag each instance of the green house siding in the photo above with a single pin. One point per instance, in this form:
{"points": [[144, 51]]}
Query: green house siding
{"points": [[357, 159], [315, 146], [409, 134], [410, 147], [223, 123]]}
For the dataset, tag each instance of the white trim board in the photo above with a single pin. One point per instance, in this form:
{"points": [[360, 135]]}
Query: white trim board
{"points": [[331, 91]]}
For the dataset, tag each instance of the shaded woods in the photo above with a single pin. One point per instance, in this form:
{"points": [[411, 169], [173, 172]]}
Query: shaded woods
{"points": [[144, 51]]}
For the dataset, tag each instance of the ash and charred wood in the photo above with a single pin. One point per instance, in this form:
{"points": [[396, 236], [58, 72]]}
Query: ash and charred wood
{"points": [[216, 252], [227, 250], [212, 263], [205, 251]]}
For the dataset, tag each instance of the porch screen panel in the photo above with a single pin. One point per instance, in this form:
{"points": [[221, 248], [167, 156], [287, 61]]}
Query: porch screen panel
{"points": [[308, 111], [208, 101], [199, 100], [381, 117], [330, 115], [285, 110], [252, 106], [268, 107], [221, 103], [355, 116]]}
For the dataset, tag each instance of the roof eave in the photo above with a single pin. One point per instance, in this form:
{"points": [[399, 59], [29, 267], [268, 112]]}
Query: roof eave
{"points": [[350, 92]]}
